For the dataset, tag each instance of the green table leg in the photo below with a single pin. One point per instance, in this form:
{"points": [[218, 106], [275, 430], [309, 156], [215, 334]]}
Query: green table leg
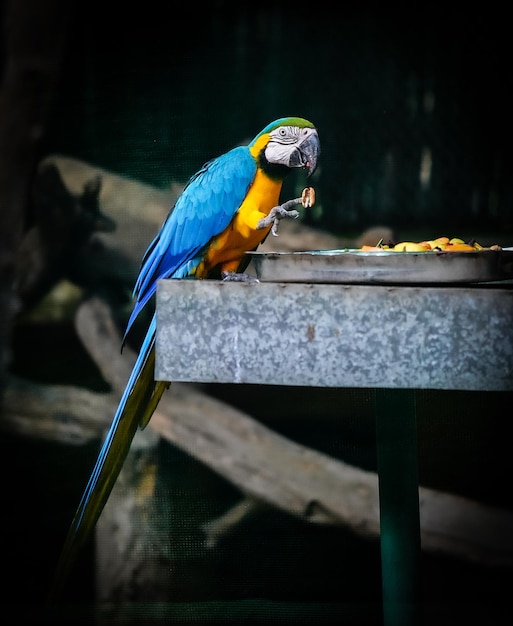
{"points": [[396, 432]]}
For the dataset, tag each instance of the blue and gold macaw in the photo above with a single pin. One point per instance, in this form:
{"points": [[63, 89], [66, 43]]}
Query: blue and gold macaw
{"points": [[217, 218]]}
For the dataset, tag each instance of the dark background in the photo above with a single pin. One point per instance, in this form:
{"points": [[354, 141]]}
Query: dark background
{"points": [[153, 96]]}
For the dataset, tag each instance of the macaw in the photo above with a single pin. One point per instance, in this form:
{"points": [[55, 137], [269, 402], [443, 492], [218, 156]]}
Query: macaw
{"points": [[222, 213]]}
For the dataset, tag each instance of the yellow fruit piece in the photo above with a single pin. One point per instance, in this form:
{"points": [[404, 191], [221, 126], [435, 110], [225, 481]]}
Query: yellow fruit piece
{"points": [[409, 246], [438, 243]]}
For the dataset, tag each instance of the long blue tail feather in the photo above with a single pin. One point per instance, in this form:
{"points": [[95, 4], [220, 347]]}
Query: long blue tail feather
{"points": [[141, 392]]}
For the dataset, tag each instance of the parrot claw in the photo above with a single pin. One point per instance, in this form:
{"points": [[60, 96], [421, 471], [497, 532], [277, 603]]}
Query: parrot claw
{"points": [[239, 277], [276, 214]]}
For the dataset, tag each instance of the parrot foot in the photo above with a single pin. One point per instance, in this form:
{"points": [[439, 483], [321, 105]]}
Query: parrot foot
{"points": [[239, 277], [277, 213]]}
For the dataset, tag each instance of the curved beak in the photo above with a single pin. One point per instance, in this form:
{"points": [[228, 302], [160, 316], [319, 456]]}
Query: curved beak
{"points": [[307, 153]]}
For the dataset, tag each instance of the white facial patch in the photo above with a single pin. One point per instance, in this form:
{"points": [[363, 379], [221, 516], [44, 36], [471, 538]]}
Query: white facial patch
{"points": [[283, 141]]}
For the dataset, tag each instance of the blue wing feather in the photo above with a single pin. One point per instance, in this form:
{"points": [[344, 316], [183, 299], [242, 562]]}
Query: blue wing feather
{"points": [[204, 209]]}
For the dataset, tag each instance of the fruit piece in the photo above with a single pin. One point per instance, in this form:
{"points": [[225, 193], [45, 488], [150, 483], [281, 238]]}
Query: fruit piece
{"points": [[459, 247], [435, 244], [409, 246]]}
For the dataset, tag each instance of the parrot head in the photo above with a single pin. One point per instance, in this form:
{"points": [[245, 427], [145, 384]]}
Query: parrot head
{"points": [[287, 143]]}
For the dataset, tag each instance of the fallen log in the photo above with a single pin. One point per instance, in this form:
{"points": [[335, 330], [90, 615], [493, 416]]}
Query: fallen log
{"points": [[61, 413]]}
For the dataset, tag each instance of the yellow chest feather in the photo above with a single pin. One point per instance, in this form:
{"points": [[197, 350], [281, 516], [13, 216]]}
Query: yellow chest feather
{"points": [[228, 248]]}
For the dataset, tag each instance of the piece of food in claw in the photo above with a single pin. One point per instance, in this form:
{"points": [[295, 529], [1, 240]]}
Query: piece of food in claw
{"points": [[308, 197], [410, 246]]}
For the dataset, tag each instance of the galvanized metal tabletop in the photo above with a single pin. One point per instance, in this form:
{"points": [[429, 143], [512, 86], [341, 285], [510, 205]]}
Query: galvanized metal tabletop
{"points": [[393, 339], [334, 335]]}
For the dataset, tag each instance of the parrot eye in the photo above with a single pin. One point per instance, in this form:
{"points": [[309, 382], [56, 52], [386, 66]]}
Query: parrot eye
{"points": [[283, 132]]}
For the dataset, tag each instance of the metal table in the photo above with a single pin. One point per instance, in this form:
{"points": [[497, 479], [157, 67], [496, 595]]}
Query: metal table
{"points": [[393, 339]]}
